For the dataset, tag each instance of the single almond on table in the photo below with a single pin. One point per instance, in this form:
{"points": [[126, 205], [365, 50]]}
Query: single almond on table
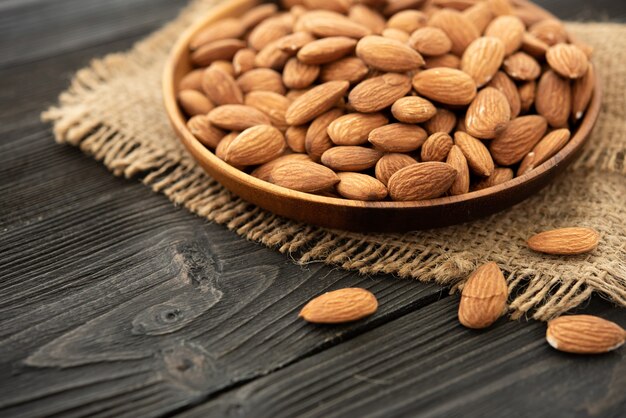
{"points": [[222, 29], [317, 140], [567, 60], [388, 54], [220, 87], [483, 298], [261, 79], [565, 241], [510, 29], [256, 145], [582, 91], [234, 117], [324, 24], [445, 85], [408, 20], [264, 171], [518, 139], [351, 69], [413, 109], [506, 86], [478, 157], [390, 163], [354, 128], [297, 75], [544, 150], [457, 160], [488, 114], [521, 66], [367, 17], [421, 181], [358, 186], [223, 49], [343, 305], [350, 158], [315, 102], [194, 103], [457, 26], [554, 99], [436, 147], [296, 137], [377, 93], [500, 175], [326, 50], [430, 41], [443, 121], [482, 59], [303, 176], [205, 131], [584, 334], [398, 137]]}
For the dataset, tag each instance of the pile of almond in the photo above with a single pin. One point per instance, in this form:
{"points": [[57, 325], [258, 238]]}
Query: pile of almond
{"points": [[386, 99]]}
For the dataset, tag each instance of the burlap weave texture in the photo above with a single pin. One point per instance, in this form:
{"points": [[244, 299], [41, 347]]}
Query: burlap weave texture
{"points": [[113, 111]]}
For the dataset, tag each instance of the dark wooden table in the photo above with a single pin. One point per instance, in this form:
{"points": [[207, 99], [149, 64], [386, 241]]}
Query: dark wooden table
{"points": [[115, 303]]}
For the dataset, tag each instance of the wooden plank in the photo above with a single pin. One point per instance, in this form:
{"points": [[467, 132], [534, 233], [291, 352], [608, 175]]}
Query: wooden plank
{"points": [[426, 364]]}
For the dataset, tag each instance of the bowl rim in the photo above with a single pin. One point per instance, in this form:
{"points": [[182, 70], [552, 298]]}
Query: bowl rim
{"points": [[198, 150]]}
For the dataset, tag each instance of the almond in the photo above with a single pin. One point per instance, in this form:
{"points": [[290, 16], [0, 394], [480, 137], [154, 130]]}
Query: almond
{"points": [[521, 66], [222, 146], [388, 54], [292, 43], [222, 29], [194, 103], [367, 17], [518, 139], [192, 81], [221, 87], [343, 305], [325, 24], [443, 121], [457, 26], [457, 160], [317, 140], [445, 60], [388, 164], [350, 158], [565, 241], [584, 334], [237, 117], [398, 137], [264, 171], [445, 85], [500, 175], [357, 186], [297, 75], [223, 49], [553, 100], [510, 29], [272, 104], [243, 61], [205, 131], [567, 60], [315, 102], [488, 114], [413, 109], [354, 128], [225, 66], [296, 138], [506, 86], [527, 95], [480, 15], [534, 46], [436, 147], [430, 41], [500, 7], [350, 69], [582, 91], [477, 155], [483, 298], [267, 32], [421, 181], [482, 59], [550, 31], [271, 57], [396, 34], [261, 79], [544, 150], [377, 93], [326, 50], [304, 176], [340, 6], [394, 6], [256, 145], [408, 21], [454, 4], [258, 14]]}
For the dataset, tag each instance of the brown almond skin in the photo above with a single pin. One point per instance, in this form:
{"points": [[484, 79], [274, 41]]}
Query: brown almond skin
{"points": [[506, 86], [396, 34], [510, 29], [351, 69], [478, 157], [445, 60], [192, 81], [377, 93], [220, 87], [527, 95], [430, 41], [488, 114], [194, 103], [343, 305], [243, 61], [388, 54], [550, 31], [582, 91], [584, 334], [292, 43], [413, 109], [480, 15], [258, 14], [304, 176], [445, 85], [271, 57], [328, 24], [354, 128], [517, 139], [388, 164], [350, 158], [421, 181], [317, 140], [554, 100], [256, 145], [261, 79], [222, 29], [483, 299], [521, 66], [367, 17], [223, 49], [482, 59], [264, 171], [534, 46], [567, 60], [296, 138], [358, 186], [408, 20], [297, 75], [237, 117], [458, 27], [457, 160], [436, 147], [565, 241], [500, 175], [315, 102], [205, 131], [267, 32], [398, 137], [443, 121], [544, 150], [222, 146], [272, 104], [326, 50]]}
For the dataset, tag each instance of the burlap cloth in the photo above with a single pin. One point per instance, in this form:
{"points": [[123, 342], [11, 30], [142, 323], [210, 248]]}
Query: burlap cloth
{"points": [[113, 111]]}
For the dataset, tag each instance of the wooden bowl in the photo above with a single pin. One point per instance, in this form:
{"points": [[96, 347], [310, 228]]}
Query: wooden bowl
{"points": [[350, 214]]}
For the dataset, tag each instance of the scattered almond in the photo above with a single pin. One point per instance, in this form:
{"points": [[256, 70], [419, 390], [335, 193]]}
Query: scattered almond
{"points": [[584, 334], [565, 241], [483, 299], [343, 305]]}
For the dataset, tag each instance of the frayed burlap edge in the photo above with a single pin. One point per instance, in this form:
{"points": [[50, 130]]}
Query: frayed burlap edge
{"points": [[175, 174]]}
